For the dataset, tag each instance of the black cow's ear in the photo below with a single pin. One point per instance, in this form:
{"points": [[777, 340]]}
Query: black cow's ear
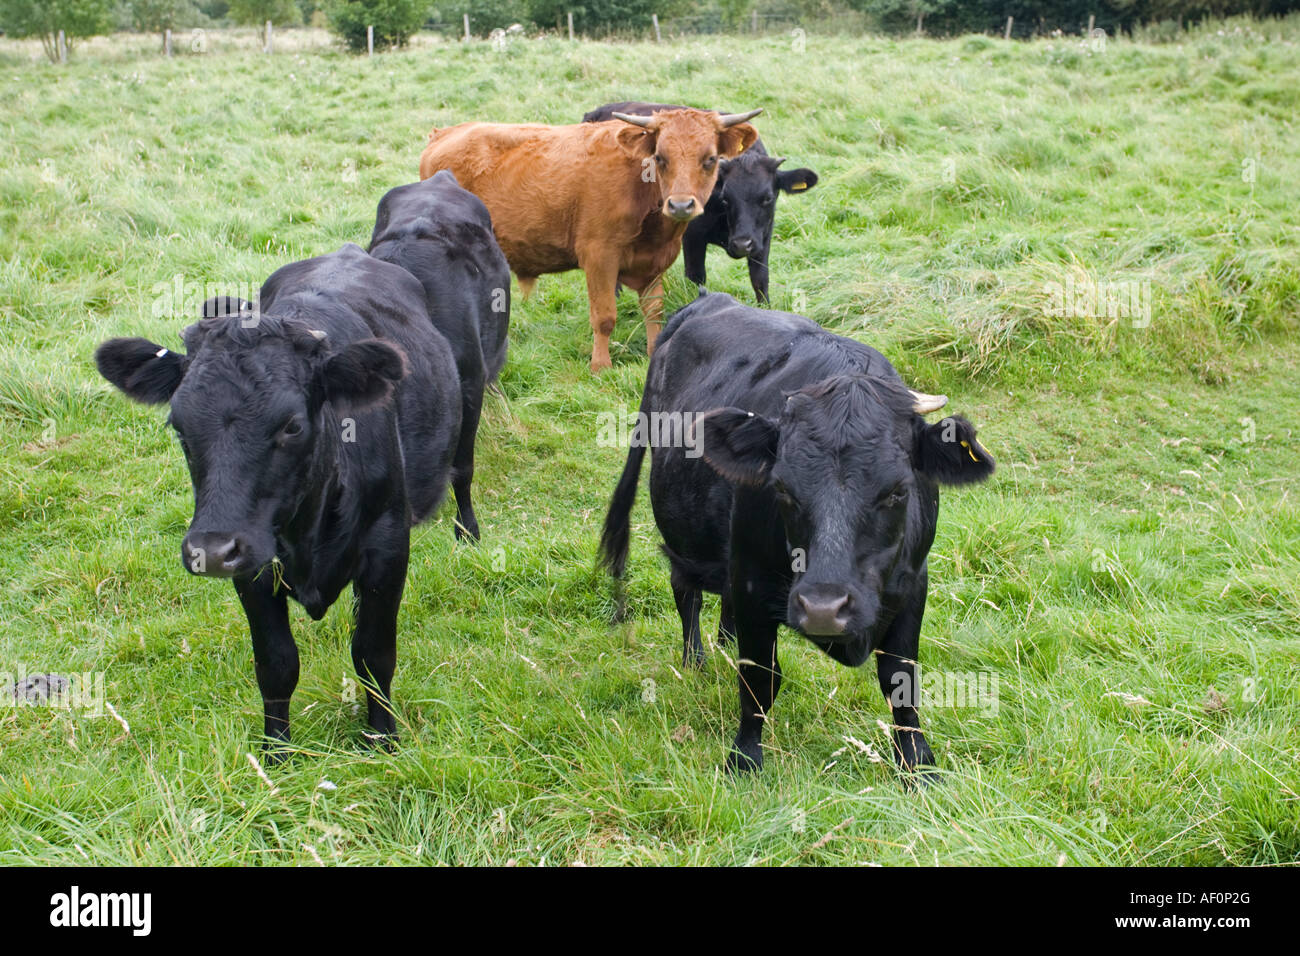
{"points": [[949, 453], [739, 445], [143, 370], [361, 375], [224, 306], [795, 180]]}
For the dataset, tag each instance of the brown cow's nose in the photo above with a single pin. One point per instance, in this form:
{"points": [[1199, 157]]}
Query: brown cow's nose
{"points": [[681, 208], [823, 615]]}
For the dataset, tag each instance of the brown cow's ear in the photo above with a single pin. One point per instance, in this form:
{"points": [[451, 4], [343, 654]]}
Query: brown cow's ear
{"points": [[636, 142], [736, 139]]}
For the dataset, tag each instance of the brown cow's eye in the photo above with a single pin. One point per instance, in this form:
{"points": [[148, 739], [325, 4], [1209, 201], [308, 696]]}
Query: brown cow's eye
{"points": [[661, 160], [710, 162]]}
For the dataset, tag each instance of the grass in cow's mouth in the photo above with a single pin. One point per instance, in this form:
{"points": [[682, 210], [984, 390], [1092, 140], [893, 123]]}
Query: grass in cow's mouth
{"points": [[1127, 586]]}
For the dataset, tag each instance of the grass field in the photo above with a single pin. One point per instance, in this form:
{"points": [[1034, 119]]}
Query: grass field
{"points": [[1130, 577]]}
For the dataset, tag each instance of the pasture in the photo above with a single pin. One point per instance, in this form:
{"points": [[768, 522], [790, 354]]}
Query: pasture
{"points": [[1130, 577]]}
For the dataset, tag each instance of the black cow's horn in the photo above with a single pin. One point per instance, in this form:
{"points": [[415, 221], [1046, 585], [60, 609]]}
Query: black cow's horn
{"points": [[642, 121], [922, 403], [731, 119]]}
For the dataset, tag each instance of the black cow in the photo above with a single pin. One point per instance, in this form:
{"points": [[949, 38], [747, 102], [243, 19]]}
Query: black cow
{"points": [[442, 235], [813, 503], [317, 431], [738, 216]]}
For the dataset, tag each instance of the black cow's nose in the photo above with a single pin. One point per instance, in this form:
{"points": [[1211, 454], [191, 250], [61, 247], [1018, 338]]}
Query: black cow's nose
{"points": [[823, 615], [741, 247], [681, 208], [215, 555]]}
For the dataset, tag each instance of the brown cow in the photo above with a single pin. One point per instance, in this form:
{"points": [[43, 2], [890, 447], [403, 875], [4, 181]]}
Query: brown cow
{"points": [[611, 199]]}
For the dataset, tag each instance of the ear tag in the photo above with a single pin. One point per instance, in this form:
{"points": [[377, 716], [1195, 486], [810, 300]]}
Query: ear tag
{"points": [[797, 187], [966, 445], [160, 353]]}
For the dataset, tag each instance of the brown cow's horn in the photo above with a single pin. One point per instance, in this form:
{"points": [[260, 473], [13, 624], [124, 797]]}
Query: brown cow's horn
{"points": [[922, 403], [731, 119], [642, 121]]}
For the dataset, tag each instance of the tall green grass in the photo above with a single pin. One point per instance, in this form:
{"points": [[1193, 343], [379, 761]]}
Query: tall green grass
{"points": [[1129, 576]]}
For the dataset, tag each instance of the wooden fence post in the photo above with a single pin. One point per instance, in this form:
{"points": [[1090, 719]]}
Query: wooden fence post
{"points": [[1092, 22], [269, 38], [1007, 34], [467, 28], [754, 20], [370, 41], [570, 26], [167, 43], [654, 18], [63, 48]]}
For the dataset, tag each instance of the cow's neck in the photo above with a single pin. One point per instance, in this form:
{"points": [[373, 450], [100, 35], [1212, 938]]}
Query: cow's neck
{"points": [[312, 521]]}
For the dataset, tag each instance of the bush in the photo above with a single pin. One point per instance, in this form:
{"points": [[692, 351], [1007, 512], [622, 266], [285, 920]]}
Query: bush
{"points": [[45, 18], [257, 12], [394, 20]]}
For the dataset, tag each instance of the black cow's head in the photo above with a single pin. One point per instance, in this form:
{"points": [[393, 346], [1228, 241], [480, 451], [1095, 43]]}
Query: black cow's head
{"points": [[852, 466], [747, 187], [247, 399]]}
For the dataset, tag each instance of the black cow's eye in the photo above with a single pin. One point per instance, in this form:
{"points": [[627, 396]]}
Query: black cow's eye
{"points": [[767, 200], [292, 428]]}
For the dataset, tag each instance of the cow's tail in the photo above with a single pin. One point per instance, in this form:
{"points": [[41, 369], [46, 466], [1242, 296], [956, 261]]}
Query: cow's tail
{"points": [[614, 537]]}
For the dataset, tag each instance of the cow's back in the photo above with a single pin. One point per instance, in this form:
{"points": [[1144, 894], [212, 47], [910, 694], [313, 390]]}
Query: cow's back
{"points": [[548, 188], [442, 234], [350, 296]]}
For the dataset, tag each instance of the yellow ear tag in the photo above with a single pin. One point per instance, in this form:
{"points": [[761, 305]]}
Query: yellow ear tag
{"points": [[798, 186], [966, 445]]}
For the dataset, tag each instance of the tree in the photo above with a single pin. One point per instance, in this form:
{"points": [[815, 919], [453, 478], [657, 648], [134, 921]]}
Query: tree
{"points": [[45, 18], [394, 20], [257, 12], [158, 16]]}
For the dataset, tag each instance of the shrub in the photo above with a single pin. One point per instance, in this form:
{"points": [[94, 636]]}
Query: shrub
{"points": [[394, 20]]}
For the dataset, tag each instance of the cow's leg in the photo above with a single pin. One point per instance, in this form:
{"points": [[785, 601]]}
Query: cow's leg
{"points": [[378, 593], [688, 601], [602, 278], [760, 680], [726, 622], [652, 309], [758, 276], [526, 286], [462, 468], [693, 249], [897, 670], [275, 656]]}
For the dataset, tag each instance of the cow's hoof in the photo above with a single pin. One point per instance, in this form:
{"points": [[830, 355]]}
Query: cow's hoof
{"points": [[381, 742], [726, 638], [742, 759], [914, 757], [600, 365], [467, 532], [275, 752], [694, 659]]}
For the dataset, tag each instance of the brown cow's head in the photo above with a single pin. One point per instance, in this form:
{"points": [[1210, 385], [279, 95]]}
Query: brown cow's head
{"points": [[681, 149]]}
